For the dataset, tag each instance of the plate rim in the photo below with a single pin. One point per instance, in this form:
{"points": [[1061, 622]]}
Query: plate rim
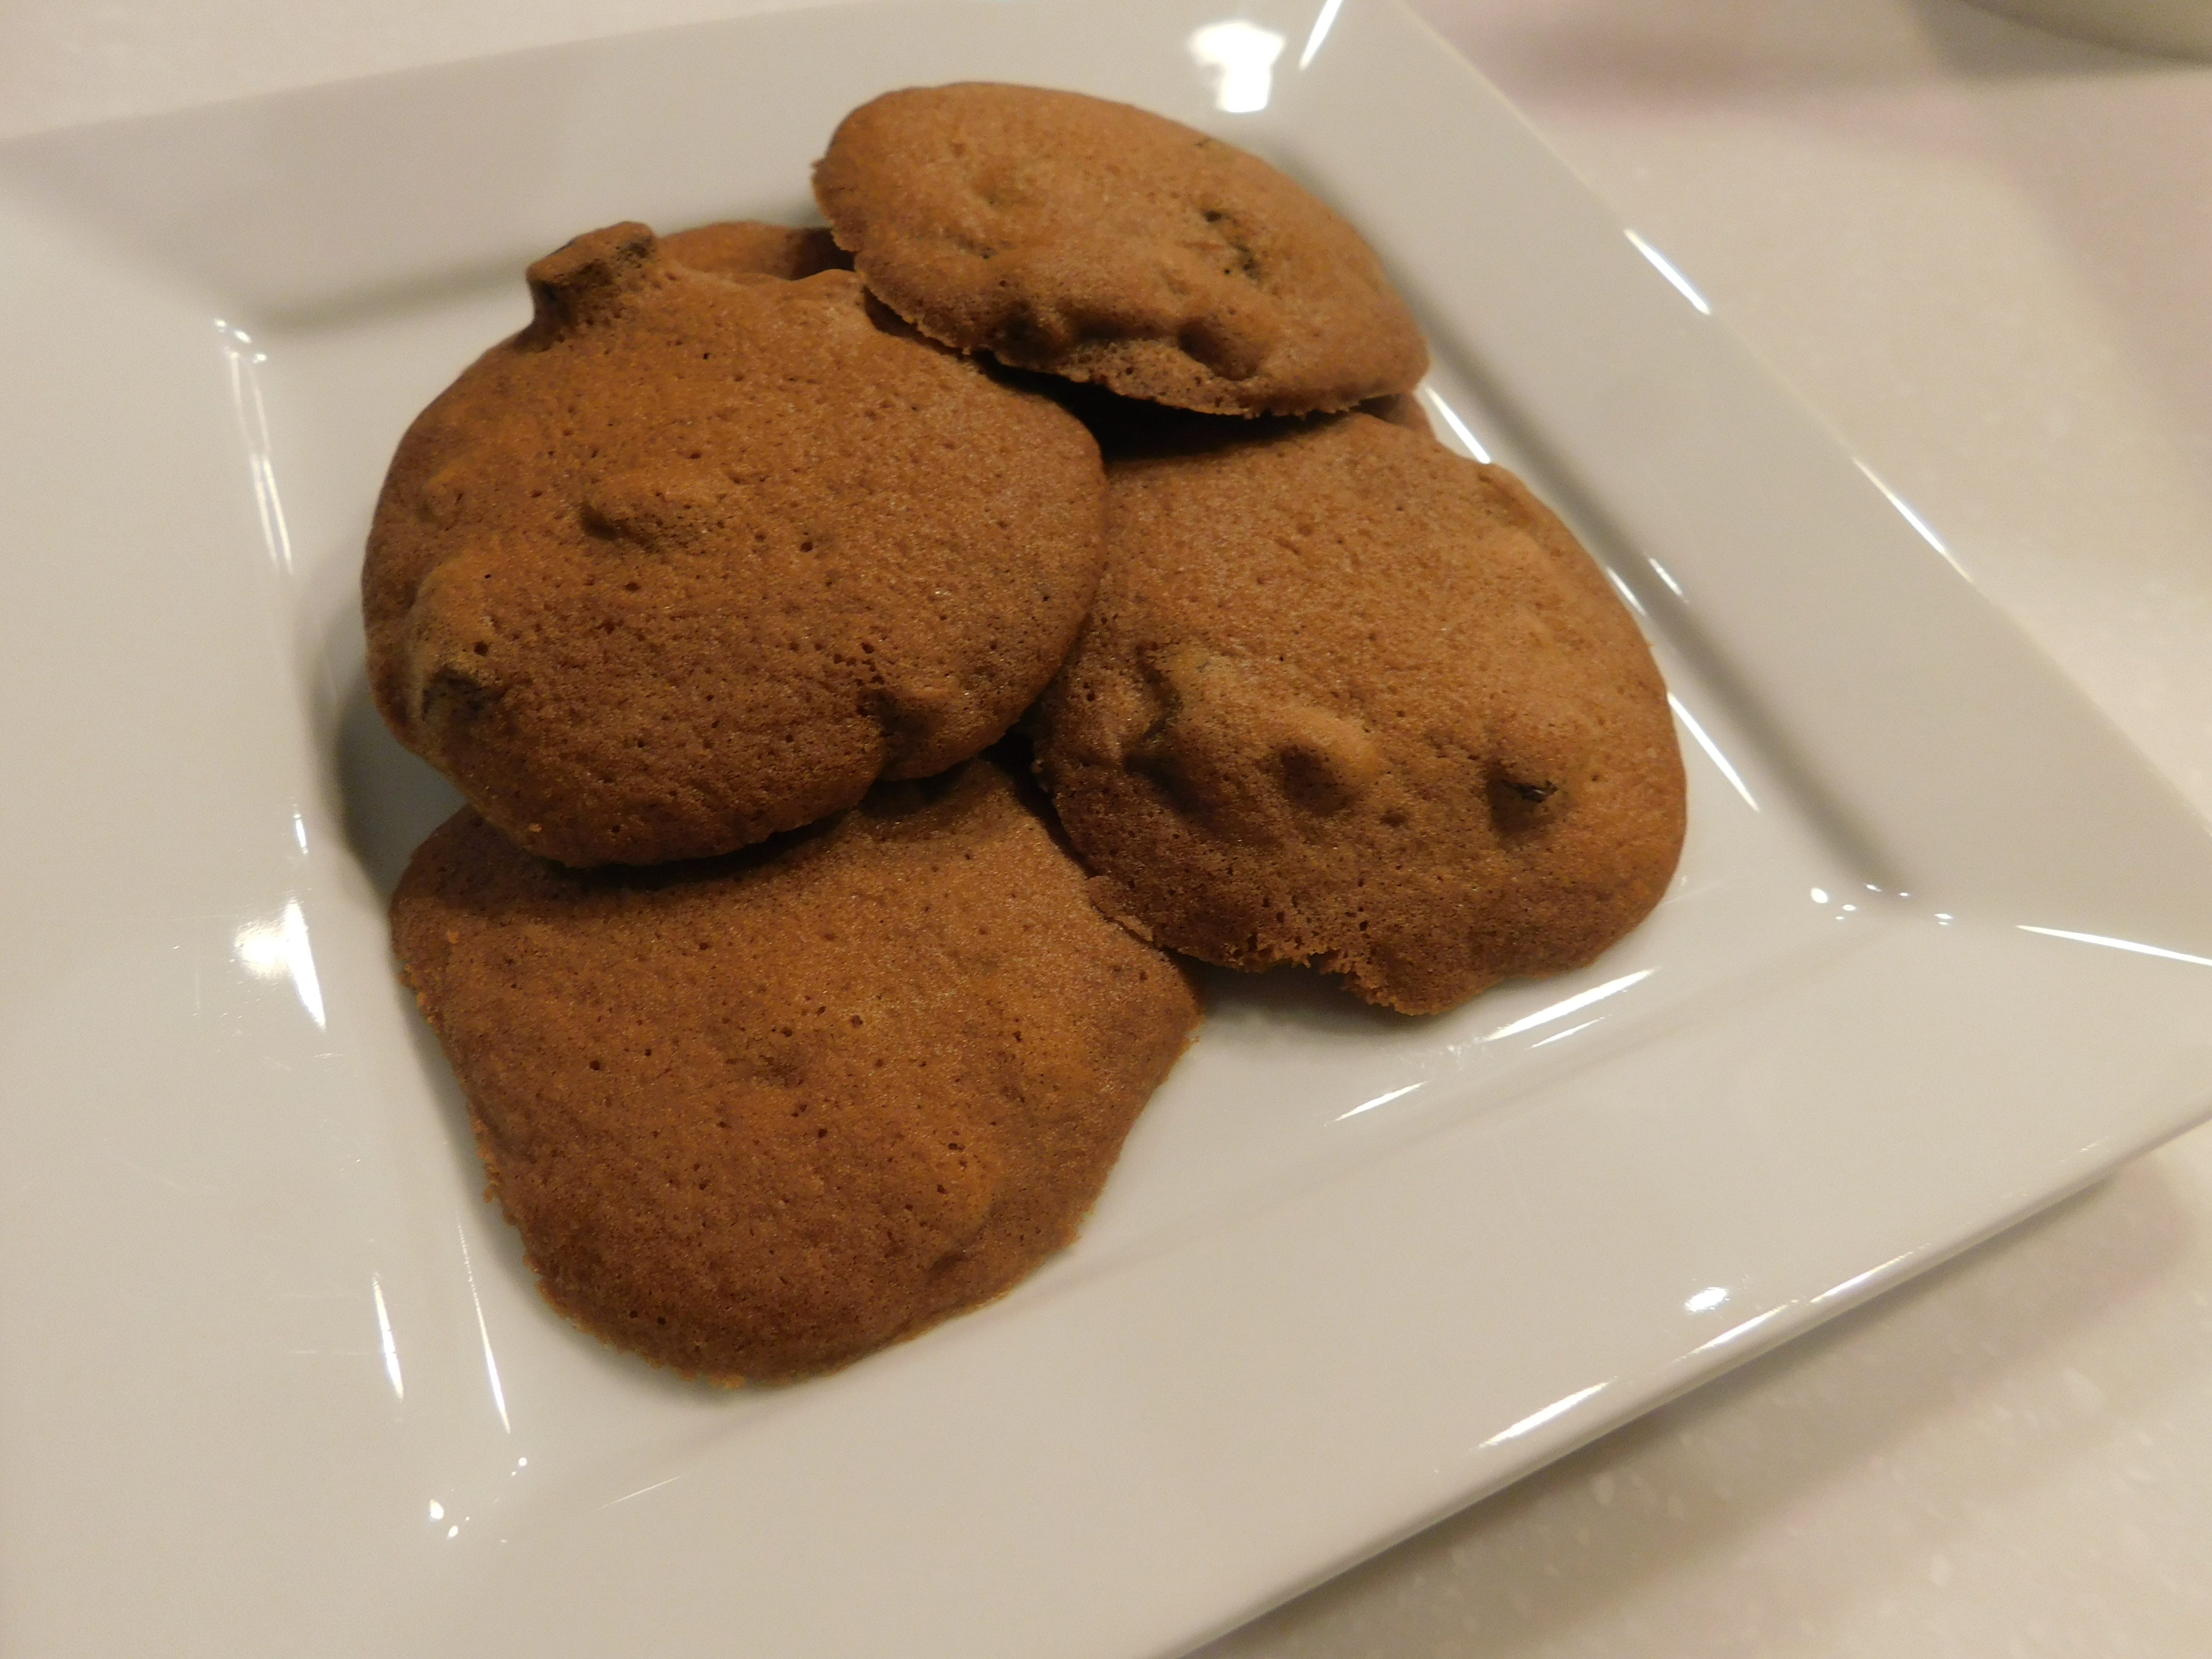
{"points": [[1390, 35]]}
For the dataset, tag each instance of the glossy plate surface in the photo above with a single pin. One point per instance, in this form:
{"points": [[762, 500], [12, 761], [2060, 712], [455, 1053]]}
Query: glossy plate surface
{"points": [[277, 1381]]}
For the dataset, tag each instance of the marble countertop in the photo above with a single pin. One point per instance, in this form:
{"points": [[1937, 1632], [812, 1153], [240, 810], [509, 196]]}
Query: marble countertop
{"points": [[1978, 251]]}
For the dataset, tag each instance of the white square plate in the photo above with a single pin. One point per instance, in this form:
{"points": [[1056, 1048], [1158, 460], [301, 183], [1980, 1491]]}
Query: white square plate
{"points": [[277, 1381]]}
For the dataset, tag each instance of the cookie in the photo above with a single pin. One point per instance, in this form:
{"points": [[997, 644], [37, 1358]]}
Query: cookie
{"points": [[746, 247], [1349, 698], [692, 560], [1107, 244], [756, 1117]]}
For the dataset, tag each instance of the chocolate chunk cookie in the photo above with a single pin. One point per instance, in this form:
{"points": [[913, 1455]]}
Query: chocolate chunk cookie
{"points": [[693, 560], [1351, 699], [756, 1117], [1102, 242]]}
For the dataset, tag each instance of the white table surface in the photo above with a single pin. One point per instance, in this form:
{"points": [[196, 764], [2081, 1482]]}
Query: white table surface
{"points": [[1984, 255]]}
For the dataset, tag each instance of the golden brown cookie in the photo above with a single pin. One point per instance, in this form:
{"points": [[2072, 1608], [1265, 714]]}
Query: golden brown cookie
{"points": [[1349, 698], [1103, 243], [691, 561], [746, 247], [755, 1117]]}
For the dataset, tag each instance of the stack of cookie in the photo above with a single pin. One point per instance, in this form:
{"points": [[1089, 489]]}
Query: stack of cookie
{"points": [[791, 1021]]}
